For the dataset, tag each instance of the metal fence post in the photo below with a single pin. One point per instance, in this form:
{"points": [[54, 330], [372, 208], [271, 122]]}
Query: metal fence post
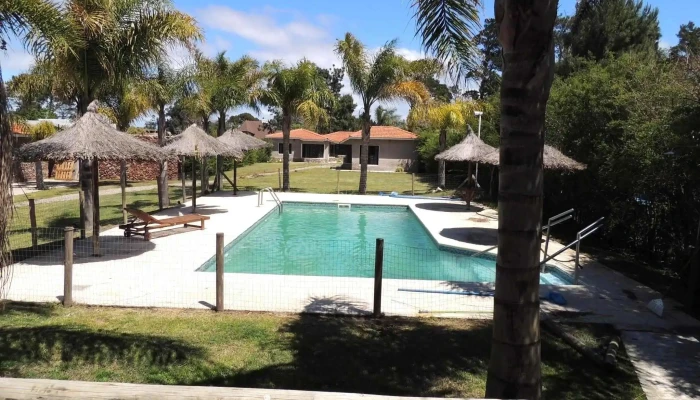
{"points": [[378, 272], [32, 222], [68, 267], [219, 271], [576, 263]]}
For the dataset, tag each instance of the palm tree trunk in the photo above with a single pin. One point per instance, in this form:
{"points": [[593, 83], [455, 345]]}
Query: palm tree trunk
{"points": [[5, 192], [441, 163], [286, 129], [163, 197], [526, 35], [85, 178], [39, 173], [364, 151], [219, 160]]}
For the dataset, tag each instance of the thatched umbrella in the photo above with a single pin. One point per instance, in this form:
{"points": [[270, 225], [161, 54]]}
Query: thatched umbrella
{"points": [[471, 149], [243, 142], [552, 159], [194, 142], [91, 139]]}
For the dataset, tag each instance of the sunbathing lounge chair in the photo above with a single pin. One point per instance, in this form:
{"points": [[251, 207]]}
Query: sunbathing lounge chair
{"points": [[149, 223]]}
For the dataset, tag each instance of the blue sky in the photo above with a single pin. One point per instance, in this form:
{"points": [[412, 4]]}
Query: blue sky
{"points": [[289, 30]]}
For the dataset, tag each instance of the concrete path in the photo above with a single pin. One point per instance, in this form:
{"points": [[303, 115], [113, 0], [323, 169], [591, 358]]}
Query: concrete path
{"points": [[668, 365]]}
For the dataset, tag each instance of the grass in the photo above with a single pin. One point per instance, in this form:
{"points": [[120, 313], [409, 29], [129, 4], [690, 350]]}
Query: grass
{"points": [[395, 356], [73, 189], [60, 214], [268, 168], [327, 180]]}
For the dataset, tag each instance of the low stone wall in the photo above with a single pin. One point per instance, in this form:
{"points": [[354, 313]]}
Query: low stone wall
{"points": [[138, 170], [25, 171]]}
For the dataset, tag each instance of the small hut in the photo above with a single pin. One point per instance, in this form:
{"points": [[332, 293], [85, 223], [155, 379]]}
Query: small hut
{"points": [[471, 149], [239, 140], [194, 142], [551, 158], [92, 139]]}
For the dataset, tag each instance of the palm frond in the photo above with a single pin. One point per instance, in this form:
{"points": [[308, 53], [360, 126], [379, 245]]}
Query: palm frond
{"points": [[447, 29], [354, 56], [409, 90]]}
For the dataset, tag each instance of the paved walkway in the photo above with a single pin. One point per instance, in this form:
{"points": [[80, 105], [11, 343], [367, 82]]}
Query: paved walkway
{"points": [[668, 365]]}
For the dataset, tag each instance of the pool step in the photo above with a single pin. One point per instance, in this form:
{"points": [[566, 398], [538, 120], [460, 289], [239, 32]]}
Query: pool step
{"points": [[348, 206]]}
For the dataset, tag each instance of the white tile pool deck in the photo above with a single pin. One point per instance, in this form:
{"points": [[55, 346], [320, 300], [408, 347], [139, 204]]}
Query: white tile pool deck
{"points": [[162, 273]]}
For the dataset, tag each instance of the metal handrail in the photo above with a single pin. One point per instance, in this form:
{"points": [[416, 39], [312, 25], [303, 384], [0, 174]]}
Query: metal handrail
{"points": [[555, 220], [582, 234], [274, 197]]}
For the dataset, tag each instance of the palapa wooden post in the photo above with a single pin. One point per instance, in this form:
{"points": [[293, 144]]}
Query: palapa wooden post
{"points": [[235, 178], [96, 208], [219, 271], [182, 177], [122, 182], [83, 228], [378, 272], [68, 266], [194, 184], [32, 222]]}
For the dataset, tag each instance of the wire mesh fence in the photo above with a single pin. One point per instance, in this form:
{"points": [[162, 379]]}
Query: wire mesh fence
{"points": [[258, 275]]}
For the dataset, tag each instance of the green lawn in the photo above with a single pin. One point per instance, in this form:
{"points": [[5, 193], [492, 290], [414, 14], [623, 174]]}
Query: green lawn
{"points": [[60, 214], [61, 191], [325, 180], [396, 356], [268, 168]]}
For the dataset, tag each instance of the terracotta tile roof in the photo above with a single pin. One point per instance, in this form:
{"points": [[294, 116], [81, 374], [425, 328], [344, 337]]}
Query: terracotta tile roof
{"points": [[376, 132], [300, 134], [254, 128], [19, 129]]}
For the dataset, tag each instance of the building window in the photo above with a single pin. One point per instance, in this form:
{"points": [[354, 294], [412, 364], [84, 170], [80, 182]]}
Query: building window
{"points": [[312, 150], [280, 149], [373, 156]]}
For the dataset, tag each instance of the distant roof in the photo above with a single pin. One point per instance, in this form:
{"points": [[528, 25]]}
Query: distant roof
{"points": [[375, 132], [19, 129], [301, 134], [255, 128]]}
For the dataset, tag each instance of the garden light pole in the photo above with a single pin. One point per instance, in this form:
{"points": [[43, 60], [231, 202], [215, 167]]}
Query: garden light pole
{"points": [[478, 114]]}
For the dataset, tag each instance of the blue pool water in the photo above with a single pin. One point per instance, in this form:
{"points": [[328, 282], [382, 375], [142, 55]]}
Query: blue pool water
{"points": [[324, 240]]}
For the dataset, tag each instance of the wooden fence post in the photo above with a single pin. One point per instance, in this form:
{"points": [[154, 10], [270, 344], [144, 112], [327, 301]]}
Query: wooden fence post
{"points": [[68, 267], [32, 222], [413, 178], [378, 272], [279, 178], [337, 184], [219, 271]]}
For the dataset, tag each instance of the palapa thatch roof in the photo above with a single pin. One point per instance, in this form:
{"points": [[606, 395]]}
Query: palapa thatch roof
{"points": [[91, 137], [194, 142], [242, 141], [470, 149], [552, 159]]}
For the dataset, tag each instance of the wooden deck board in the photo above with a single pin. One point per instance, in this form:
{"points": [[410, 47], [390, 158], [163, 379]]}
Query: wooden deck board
{"points": [[23, 389]]}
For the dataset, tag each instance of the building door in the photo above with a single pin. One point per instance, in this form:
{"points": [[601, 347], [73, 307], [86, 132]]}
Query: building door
{"points": [[373, 156]]}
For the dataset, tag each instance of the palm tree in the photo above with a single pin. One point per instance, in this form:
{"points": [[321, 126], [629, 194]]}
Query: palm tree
{"points": [[161, 88], [526, 35], [444, 117], [120, 40], [233, 84], [380, 77], [299, 91], [386, 117], [39, 25]]}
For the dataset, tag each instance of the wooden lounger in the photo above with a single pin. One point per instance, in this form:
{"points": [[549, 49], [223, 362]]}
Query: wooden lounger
{"points": [[149, 223]]}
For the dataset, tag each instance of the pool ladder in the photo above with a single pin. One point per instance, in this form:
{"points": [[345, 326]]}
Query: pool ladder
{"points": [[280, 207]]}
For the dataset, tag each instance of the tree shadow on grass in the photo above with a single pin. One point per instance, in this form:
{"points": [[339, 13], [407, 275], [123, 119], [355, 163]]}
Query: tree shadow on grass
{"points": [[47, 344]]}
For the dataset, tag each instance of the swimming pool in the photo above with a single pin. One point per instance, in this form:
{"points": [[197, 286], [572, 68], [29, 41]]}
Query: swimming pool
{"points": [[317, 239]]}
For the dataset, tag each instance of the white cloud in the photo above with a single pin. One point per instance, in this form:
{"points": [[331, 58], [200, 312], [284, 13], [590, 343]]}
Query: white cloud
{"points": [[283, 34], [15, 61], [664, 45]]}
